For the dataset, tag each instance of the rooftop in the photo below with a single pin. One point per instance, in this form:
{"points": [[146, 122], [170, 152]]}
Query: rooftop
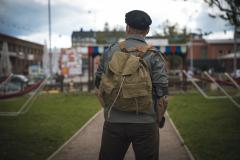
{"points": [[221, 41], [3, 37]]}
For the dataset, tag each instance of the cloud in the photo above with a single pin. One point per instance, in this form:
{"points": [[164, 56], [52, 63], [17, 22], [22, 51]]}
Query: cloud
{"points": [[220, 35], [58, 41], [28, 17], [208, 24], [22, 17]]}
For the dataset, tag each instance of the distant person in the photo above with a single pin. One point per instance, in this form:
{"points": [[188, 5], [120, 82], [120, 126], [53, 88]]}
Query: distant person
{"points": [[60, 81], [210, 71], [190, 73], [132, 85]]}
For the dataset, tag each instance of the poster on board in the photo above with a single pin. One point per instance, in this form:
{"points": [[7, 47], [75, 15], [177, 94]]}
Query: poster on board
{"points": [[70, 63]]}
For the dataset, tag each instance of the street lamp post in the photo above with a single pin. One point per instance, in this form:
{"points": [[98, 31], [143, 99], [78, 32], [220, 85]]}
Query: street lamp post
{"points": [[50, 38], [191, 53], [190, 44], [94, 19], [90, 57], [235, 50]]}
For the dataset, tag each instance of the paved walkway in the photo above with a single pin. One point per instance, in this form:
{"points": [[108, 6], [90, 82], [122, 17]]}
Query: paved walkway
{"points": [[85, 144]]}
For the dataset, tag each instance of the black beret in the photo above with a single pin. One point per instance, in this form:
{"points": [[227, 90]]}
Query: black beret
{"points": [[138, 19]]}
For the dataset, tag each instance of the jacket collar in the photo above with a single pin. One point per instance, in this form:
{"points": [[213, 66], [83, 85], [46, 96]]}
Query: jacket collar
{"points": [[135, 37]]}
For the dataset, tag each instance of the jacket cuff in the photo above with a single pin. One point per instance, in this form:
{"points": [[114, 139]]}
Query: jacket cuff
{"points": [[160, 91], [97, 81]]}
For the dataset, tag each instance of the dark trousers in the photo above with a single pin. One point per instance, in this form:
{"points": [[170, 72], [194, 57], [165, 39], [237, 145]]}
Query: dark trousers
{"points": [[117, 137]]}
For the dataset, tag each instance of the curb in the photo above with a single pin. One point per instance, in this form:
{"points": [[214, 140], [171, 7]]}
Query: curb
{"points": [[75, 135], [180, 138]]}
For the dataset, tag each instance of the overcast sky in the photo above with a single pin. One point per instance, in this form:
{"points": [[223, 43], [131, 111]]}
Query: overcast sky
{"points": [[28, 19]]}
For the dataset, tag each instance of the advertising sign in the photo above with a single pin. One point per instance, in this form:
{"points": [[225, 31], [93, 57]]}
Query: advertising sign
{"points": [[70, 63]]}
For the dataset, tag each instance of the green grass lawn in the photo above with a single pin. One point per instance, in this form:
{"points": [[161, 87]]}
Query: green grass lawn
{"points": [[52, 120], [210, 128], [12, 105]]}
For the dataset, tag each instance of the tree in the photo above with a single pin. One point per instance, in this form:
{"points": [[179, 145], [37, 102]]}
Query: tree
{"points": [[106, 27], [172, 32], [109, 35], [175, 35], [230, 10]]}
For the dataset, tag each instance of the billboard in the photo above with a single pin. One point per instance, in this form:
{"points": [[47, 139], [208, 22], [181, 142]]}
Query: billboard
{"points": [[70, 63]]}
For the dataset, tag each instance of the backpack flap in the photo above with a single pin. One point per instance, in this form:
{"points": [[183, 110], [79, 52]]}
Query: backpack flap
{"points": [[137, 76], [117, 62], [131, 65], [110, 79]]}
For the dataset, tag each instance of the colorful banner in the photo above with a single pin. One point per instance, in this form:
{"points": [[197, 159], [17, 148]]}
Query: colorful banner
{"points": [[168, 50]]}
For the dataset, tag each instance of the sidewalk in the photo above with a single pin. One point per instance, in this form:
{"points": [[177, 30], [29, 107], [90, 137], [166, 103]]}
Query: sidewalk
{"points": [[85, 144]]}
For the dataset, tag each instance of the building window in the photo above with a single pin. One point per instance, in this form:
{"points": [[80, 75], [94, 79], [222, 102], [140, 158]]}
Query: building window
{"points": [[14, 48], [10, 47], [18, 48], [220, 53], [203, 53]]}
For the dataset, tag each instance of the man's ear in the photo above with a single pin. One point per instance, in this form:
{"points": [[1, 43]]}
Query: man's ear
{"points": [[127, 28], [147, 31]]}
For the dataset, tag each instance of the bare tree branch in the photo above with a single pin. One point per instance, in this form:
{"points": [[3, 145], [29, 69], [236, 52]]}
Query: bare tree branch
{"points": [[230, 10]]}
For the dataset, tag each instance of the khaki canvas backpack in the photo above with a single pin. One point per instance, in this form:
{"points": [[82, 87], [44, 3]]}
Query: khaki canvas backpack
{"points": [[126, 85]]}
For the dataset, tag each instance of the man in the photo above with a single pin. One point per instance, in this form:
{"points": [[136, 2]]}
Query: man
{"points": [[139, 128]]}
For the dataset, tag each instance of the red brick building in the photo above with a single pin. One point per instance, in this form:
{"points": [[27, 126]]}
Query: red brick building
{"points": [[22, 53], [209, 53]]}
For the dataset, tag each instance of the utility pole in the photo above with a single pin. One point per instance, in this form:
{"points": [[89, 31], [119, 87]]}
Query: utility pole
{"points": [[236, 39], [191, 52], [190, 44], [50, 37]]}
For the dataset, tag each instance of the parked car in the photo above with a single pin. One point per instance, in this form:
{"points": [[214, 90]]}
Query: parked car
{"points": [[16, 83]]}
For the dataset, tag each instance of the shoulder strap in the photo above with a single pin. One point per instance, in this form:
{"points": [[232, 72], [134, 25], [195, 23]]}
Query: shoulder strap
{"points": [[143, 49], [122, 45]]}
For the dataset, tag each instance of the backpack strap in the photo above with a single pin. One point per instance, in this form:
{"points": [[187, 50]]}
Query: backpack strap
{"points": [[122, 45], [143, 49]]}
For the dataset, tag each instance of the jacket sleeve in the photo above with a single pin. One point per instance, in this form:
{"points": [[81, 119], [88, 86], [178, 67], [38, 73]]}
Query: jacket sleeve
{"points": [[104, 62], [159, 75], [101, 68]]}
